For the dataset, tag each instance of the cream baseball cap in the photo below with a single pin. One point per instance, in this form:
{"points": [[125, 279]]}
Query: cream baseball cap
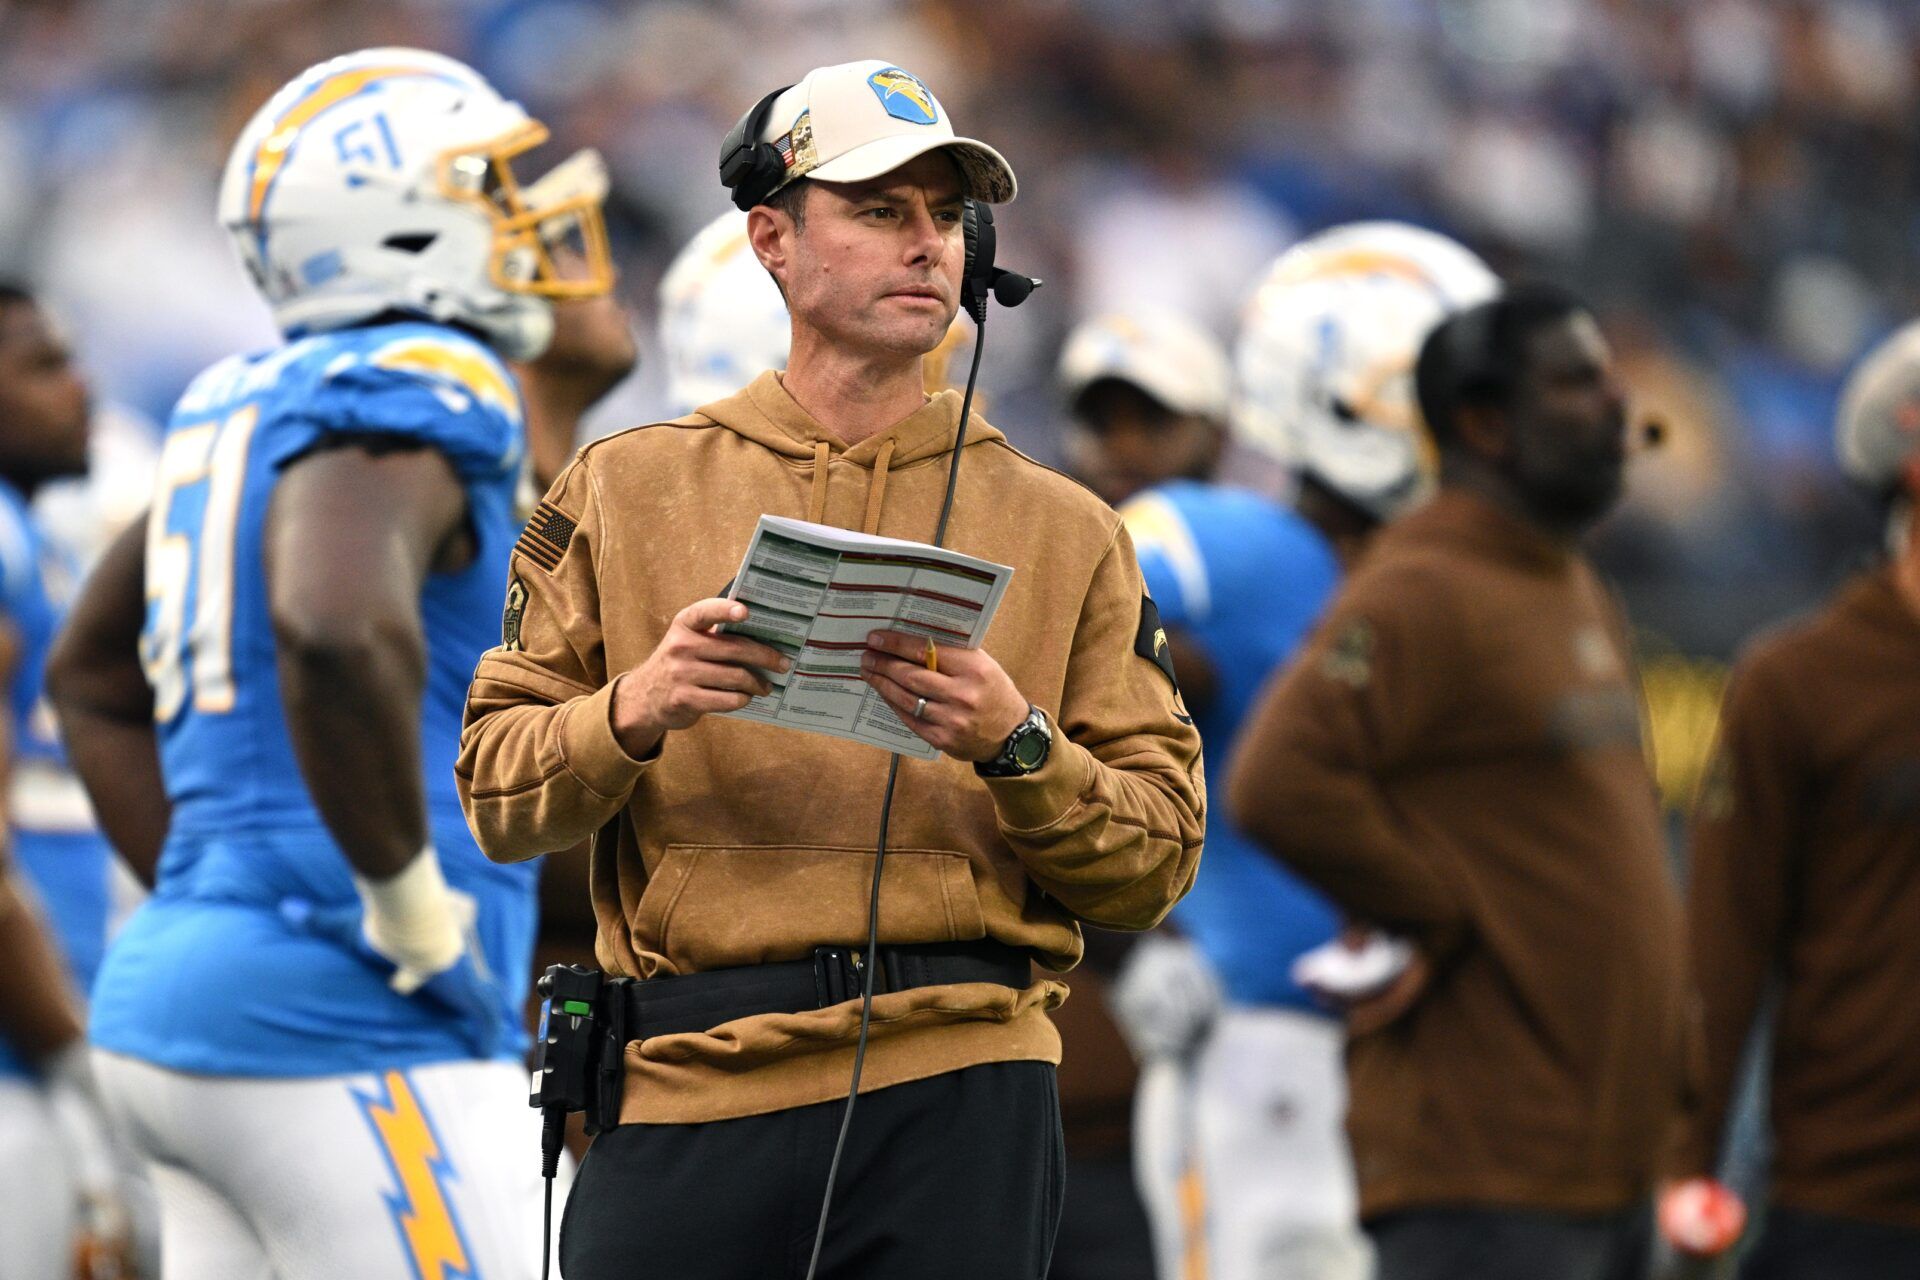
{"points": [[1166, 355], [858, 120]]}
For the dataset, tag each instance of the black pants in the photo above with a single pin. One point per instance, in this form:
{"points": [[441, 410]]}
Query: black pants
{"points": [[1104, 1233], [1795, 1245], [958, 1176], [1507, 1244]]}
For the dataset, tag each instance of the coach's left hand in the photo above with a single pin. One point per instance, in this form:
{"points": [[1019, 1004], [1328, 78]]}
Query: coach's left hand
{"points": [[972, 704]]}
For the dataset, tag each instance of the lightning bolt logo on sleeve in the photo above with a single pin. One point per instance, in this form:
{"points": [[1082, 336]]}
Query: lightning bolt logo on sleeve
{"points": [[455, 366], [431, 1236]]}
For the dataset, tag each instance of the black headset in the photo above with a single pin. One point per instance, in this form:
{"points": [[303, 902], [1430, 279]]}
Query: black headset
{"points": [[751, 170], [980, 278]]}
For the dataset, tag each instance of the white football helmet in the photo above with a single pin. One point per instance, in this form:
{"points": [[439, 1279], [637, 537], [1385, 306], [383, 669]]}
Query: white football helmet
{"points": [[1878, 427], [382, 181], [1324, 362], [722, 319]]}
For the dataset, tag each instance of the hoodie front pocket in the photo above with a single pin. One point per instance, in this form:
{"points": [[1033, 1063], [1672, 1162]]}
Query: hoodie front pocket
{"points": [[713, 906]]}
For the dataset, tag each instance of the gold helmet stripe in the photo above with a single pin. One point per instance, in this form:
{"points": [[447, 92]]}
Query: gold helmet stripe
{"points": [[335, 89]]}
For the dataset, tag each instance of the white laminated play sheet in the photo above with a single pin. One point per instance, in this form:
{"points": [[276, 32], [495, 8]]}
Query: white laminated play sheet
{"points": [[814, 593]]}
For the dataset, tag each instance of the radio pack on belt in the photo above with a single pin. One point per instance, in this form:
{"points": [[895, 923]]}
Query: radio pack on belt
{"points": [[577, 1065], [587, 1018]]}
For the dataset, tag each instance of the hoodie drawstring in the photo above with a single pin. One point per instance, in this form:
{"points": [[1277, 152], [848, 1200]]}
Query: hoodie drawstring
{"points": [[877, 488], [817, 505]]}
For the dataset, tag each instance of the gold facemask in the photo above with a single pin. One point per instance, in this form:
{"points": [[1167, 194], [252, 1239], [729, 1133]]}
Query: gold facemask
{"points": [[549, 237]]}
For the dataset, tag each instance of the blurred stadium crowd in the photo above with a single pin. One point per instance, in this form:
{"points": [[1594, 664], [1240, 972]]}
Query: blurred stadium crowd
{"points": [[1730, 181]]}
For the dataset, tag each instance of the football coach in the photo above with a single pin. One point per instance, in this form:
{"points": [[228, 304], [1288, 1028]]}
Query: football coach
{"points": [[733, 861]]}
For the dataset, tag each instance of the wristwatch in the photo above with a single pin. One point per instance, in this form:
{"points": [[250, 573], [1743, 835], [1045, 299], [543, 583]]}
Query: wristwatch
{"points": [[1024, 751]]}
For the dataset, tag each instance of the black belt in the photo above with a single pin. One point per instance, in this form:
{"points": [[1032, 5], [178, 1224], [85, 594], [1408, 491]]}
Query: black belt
{"points": [[702, 1001]]}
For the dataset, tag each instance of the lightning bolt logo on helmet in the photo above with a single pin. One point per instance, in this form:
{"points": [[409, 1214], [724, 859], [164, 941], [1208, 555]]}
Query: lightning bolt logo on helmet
{"points": [[1324, 361], [904, 97]]}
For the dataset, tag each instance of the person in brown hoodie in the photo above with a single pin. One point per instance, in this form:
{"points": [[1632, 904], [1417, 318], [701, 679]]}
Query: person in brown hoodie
{"points": [[1806, 875], [1456, 758], [733, 861]]}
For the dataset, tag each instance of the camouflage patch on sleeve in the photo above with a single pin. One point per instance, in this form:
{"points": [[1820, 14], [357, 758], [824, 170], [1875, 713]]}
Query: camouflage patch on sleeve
{"points": [[510, 619], [1349, 659]]}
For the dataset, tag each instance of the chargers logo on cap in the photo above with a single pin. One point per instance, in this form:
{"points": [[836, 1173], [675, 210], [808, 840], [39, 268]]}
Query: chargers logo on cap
{"points": [[904, 97]]}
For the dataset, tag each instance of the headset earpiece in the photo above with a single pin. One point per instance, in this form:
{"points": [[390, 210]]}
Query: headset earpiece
{"points": [[976, 279], [751, 169], [979, 278]]}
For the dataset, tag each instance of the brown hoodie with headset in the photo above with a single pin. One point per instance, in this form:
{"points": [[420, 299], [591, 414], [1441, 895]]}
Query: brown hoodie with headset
{"points": [[737, 843]]}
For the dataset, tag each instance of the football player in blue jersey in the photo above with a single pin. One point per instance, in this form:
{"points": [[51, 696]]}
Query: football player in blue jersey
{"points": [[313, 1025], [56, 869], [1239, 1135]]}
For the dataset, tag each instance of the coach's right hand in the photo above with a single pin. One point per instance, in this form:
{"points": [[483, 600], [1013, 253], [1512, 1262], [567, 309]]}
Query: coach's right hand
{"points": [[694, 671]]}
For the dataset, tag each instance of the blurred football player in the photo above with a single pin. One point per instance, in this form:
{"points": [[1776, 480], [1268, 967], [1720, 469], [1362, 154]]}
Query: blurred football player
{"points": [[1806, 874], [312, 1027], [1243, 1095], [59, 1187]]}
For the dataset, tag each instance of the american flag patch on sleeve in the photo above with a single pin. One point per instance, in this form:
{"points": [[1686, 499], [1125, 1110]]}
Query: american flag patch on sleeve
{"points": [[544, 540]]}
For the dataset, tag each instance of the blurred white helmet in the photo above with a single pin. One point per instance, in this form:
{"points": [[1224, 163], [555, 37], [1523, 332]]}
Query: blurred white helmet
{"points": [[1878, 428], [722, 319], [1166, 355], [1324, 363], [382, 181]]}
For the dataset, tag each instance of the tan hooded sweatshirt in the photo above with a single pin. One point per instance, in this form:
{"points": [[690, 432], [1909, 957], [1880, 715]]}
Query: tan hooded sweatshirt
{"points": [[738, 843]]}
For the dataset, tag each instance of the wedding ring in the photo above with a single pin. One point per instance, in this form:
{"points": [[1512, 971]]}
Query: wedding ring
{"points": [[920, 709]]}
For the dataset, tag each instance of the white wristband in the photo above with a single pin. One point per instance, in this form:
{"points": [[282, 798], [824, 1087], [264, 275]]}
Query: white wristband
{"points": [[415, 920]]}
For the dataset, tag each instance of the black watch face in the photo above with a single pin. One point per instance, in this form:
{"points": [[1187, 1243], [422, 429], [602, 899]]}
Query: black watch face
{"points": [[1030, 750]]}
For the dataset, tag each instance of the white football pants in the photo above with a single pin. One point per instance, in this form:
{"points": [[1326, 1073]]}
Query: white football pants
{"points": [[424, 1174], [1241, 1153], [38, 1210]]}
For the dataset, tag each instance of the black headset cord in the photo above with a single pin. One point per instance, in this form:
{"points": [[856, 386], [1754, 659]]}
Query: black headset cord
{"points": [[553, 1139], [886, 816]]}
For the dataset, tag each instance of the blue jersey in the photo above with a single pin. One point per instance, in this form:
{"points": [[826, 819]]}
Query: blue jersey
{"points": [[55, 844], [207, 976], [1246, 579]]}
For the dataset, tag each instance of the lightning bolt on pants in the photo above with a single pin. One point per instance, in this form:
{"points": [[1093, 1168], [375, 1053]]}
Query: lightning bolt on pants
{"points": [[431, 1173]]}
